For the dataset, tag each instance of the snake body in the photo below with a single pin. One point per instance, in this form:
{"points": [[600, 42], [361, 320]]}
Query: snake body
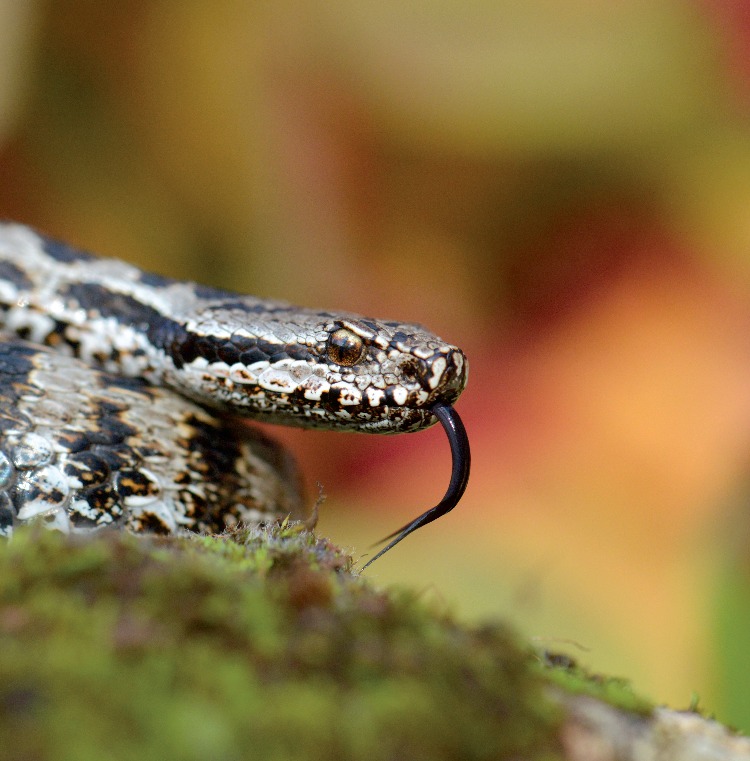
{"points": [[115, 387]]}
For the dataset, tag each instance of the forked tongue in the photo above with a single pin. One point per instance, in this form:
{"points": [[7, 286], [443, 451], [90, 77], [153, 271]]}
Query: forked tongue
{"points": [[461, 455]]}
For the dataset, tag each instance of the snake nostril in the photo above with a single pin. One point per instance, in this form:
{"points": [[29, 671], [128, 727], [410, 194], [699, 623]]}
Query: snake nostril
{"points": [[410, 371]]}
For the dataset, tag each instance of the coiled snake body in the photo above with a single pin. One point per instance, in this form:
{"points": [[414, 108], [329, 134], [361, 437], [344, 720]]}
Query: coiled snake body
{"points": [[116, 384]]}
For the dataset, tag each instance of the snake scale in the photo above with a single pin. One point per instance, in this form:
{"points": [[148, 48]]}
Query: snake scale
{"points": [[118, 388]]}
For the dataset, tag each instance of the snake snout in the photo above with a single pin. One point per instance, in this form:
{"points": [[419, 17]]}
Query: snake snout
{"points": [[445, 376]]}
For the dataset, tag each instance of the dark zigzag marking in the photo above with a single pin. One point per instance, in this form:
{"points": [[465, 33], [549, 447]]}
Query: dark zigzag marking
{"points": [[62, 252], [9, 271], [172, 337]]}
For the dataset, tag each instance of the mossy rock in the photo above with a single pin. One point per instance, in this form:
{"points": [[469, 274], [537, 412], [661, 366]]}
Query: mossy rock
{"points": [[264, 645]]}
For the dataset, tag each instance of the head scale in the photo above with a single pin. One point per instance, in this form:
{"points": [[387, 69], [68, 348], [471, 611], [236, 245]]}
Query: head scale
{"points": [[316, 369]]}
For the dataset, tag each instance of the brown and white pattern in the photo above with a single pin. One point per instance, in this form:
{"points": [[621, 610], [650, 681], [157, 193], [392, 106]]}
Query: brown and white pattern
{"points": [[101, 431]]}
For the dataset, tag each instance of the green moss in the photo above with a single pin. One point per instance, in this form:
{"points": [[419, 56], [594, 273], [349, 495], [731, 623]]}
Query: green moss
{"points": [[261, 646], [732, 633], [574, 679]]}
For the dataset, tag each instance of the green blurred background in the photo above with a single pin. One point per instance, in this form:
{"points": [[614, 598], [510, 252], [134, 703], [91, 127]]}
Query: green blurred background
{"points": [[560, 188]]}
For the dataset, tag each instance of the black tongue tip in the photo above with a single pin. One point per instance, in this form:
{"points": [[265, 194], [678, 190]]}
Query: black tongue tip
{"points": [[461, 456]]}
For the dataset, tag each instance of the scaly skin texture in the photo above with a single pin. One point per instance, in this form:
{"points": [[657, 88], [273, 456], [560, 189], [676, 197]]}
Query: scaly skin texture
{"points": [[261, 359], [83, 450], [123, 329]]}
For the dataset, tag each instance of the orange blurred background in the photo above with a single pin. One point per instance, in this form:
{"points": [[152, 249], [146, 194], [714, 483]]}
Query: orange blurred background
{"points": [[562, 189]]}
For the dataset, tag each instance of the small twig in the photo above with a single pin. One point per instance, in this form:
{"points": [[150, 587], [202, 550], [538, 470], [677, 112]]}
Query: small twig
{"points": [[312, 521]]}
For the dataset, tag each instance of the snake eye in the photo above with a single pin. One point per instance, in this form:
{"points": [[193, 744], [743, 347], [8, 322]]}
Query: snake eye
{"points": [[345, 348]]}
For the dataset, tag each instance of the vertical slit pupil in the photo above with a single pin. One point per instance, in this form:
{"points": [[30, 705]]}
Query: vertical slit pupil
{"points": [[344, 347]]}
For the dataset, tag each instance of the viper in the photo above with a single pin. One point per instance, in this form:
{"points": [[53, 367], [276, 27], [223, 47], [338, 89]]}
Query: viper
{"points": [[120, 390]]}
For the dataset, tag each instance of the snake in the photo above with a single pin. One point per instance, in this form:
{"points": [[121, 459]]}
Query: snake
{"points": [[123, 394]]}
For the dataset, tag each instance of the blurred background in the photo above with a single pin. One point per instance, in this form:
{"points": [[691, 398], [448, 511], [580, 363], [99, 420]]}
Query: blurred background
{"points": [[560, 188]]}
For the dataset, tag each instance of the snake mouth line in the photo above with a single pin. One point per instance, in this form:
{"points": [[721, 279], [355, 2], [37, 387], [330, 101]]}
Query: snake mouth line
{"points": [[461, 458]]}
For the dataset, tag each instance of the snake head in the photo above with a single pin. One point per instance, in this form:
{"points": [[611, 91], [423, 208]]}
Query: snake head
{"points": [[301, 367], [385, 375]]}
